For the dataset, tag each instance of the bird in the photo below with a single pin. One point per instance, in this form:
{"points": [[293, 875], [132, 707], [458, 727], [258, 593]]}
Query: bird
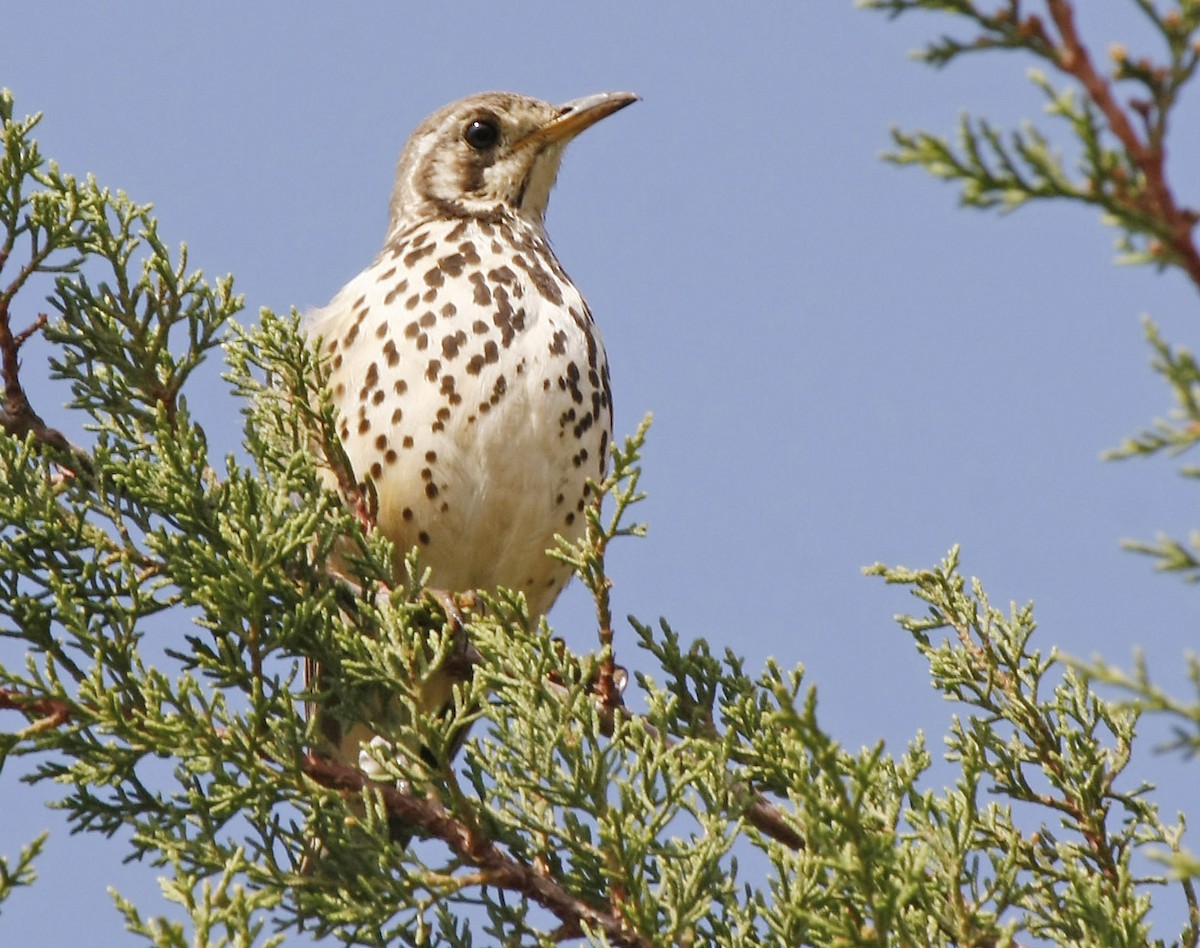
{"points": [[470, 381]]}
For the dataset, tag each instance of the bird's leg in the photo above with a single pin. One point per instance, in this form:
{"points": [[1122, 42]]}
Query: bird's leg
{"points": [[461, 662]]}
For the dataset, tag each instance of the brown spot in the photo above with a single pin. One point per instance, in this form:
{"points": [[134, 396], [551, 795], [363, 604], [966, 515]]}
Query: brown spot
{"points": [[443, 414], [450, 344], [426, 320], [351, 335], [447, 385], [426, 474], [377, 397], [542, 279], [332, 347], [337, 361], [412, 330], [435, 277], [391, 353], [475, 365], [491, 353], [570, 519], [407, 514], [571, 383], [429, 295], [483, 296], [395, 291], [340, 389], [467, 249], [423, 537], [452, 264], [386, 275], [502, 317], [381, 330], [433, 369], [431, 490], [412, 301], [431, 456], [372, 378], [376, 470], [414, 255], [397, 416], [381, 442], [422, 342], [364, 426], [479, 327], [558, 345], [400, 386], [449, 311], [390, 456], [407, 442]]}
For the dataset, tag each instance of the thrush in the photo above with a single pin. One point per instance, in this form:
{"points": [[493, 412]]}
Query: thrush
{"points": [[470, 380]]}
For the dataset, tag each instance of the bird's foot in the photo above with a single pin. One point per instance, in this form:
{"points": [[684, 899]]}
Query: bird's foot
{"points": [[454, 606]]}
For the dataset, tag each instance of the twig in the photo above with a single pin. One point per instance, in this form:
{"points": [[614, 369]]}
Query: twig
{"points": [[502, 871], [1073, 58], [54, 711], [18, 417]]}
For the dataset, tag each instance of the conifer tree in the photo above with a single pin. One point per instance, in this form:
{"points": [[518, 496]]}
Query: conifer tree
{"points": [[168, 600]]}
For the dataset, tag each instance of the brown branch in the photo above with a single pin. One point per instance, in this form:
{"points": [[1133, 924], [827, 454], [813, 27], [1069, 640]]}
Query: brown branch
{"points": [[17, 416], [502, 871], [1073, 58], [54, 712]]}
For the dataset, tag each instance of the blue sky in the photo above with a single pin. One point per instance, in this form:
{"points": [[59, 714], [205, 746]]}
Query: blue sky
{"points": [[843, 366]]}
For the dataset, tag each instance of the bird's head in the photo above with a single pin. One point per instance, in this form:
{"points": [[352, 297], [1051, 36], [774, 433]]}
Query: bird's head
{"points": [[495, 151]]}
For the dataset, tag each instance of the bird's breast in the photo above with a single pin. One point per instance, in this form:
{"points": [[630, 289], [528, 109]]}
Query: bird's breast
{"points": [[472, 388]]}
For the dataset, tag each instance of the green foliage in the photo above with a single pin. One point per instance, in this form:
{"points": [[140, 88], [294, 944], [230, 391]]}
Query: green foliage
{"points": [[1121, 146], [23, 873], [168, 602], [1052, 747], [1118, 122]]}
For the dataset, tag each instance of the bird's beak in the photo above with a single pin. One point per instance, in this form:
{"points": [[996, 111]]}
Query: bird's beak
{"points": [[574, 116]]}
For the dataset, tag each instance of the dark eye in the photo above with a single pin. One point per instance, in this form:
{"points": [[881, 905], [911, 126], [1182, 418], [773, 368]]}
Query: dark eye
{"points": [[482, 134]]}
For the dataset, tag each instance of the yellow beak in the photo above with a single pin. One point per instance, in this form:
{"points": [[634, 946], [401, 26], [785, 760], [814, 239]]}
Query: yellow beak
{"points": [[574, 116]]}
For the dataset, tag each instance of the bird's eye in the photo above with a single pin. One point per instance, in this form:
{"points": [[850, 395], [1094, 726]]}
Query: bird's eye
{"points": [[482, 134]]}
